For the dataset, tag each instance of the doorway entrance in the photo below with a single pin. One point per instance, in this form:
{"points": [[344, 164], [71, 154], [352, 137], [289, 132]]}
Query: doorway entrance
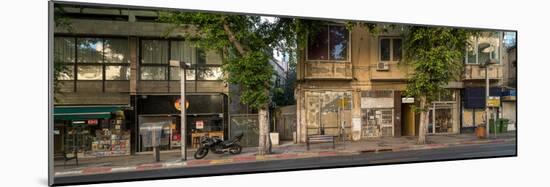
{"points": [[409, 127], [440, 118], [377, 122]]}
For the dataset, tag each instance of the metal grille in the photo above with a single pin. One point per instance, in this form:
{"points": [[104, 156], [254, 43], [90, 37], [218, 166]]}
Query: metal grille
{"points": [[246, 124]]}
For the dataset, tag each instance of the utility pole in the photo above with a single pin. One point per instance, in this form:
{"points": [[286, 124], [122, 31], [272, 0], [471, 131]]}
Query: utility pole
{"points": [[183, 108], [487, 94]]}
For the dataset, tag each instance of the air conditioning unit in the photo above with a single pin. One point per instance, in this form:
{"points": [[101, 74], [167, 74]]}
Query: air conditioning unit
{"points": [[383, 66]]}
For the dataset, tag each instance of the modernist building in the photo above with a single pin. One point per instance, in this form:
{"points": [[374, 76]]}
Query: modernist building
{"points": [[116, 76], [355, 80]]}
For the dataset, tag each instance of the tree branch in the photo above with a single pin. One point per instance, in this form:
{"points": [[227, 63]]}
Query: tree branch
{"points": [[232, 37]]}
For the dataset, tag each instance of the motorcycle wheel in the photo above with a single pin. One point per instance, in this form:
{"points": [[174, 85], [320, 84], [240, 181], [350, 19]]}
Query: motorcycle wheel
{"points": [[201, 153], [235, 149]]}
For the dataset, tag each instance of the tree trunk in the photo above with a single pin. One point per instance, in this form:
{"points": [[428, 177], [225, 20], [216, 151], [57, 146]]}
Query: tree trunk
{"points": [[423, 121], [264, 146]]}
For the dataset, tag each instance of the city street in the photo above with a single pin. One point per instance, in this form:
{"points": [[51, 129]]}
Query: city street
{"points": [[497, 149]]}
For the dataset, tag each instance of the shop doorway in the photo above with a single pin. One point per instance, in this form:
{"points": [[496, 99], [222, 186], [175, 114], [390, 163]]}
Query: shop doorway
{"points": [[327, 112], [440, 118], [409, 127], [377, 122]]}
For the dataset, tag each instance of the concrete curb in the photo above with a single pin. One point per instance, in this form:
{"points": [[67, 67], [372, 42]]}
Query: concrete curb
{"points": [[254, 158]]}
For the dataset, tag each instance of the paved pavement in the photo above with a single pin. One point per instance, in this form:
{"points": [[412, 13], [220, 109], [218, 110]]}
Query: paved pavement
{"points": [[467, 151], [286, 151]]}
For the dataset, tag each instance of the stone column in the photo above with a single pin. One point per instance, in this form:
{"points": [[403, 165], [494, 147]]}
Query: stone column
{"points": [[356, 116]]}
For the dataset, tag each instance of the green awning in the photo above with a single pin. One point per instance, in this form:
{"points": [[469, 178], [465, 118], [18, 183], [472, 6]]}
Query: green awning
{"points": [[84, 112]]}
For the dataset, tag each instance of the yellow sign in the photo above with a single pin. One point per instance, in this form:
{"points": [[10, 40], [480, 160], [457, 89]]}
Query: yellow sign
{"points": [[493, 102], [343, 102], [177, 104]]}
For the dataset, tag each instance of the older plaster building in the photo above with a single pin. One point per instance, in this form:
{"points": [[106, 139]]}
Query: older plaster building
{"points": [[355, 80]]}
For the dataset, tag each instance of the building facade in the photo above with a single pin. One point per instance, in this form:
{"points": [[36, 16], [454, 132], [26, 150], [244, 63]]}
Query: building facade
{"points": [[116, 76], [350, 83]]}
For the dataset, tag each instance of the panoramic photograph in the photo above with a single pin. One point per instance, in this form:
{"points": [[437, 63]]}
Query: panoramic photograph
{"points": [[152, 93]]}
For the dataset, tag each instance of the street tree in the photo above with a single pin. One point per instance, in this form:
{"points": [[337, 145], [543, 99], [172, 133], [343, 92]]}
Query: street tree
{"points": [[246, 43], [436, 56]]}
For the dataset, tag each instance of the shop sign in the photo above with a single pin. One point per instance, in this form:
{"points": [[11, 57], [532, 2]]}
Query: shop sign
{"points": [[371, 102], [92, 122], [199, 124], [343, 102], [78, 122], [407, 100], [177, 104], [493, 102]]}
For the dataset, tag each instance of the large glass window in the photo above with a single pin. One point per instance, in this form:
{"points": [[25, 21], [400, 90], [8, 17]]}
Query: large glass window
{"points": [[153, 73], [64, 57], [338, 43], [485, 47], [90, 72], [117, 72], [154, 51], [64, 49], [175, 73], [90, 50], [329, 43], [116, 51], [390, 49], [154, 60], [205, 65], [182, 51], [93, 57], [209, 73]]}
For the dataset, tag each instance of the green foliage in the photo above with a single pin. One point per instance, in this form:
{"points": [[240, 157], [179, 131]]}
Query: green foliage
{"points": [[247, 44], [436, 54], [61, 22], [253, 74]]}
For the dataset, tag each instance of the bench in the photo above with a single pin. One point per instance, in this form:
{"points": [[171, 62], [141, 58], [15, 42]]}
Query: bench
{"points": [[321, 139]]}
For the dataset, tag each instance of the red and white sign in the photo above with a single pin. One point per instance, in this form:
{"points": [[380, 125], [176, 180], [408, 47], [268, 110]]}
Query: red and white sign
{"points": [[199, 124], [92, 122]]}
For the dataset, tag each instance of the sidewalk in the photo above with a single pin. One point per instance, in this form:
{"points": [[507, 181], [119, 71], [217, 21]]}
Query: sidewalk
{"points": [[285, 151]]}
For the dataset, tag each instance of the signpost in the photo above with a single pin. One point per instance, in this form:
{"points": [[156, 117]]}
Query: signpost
{"points": [[493, 101]]}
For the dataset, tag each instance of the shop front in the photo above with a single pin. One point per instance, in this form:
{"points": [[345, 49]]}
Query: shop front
{"points": [[206, 116], [377, 113], [327, 112], [443, 114], [473, 108], [91, 131]]}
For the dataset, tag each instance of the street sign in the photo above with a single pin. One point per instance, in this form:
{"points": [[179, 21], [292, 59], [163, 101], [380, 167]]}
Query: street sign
{"points": [[407, 100], [199, 124], [493, 101]]}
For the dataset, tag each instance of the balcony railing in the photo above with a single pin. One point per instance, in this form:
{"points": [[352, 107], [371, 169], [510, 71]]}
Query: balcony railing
{"points": [[328, 70], [475, 72]]}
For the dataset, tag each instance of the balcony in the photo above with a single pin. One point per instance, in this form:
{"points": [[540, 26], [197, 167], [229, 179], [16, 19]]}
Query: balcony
{"points": [[475, 72], [328, 70]]}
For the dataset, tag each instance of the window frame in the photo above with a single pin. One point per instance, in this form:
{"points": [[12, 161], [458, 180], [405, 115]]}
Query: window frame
{"points": [[348, 54], [75, 63], [168, 77], [391, 38], [500, 41]]}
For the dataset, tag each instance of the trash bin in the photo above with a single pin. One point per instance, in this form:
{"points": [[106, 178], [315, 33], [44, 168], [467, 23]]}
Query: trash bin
{"points": [[492, 126], [503, 125], [480, 131]]}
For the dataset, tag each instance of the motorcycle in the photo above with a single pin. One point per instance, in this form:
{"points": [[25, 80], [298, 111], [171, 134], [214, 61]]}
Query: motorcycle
{"points": [[218, 146]]}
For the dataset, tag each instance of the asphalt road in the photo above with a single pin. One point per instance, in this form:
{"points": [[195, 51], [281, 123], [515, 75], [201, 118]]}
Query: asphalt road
{"points": [[441, 154]]}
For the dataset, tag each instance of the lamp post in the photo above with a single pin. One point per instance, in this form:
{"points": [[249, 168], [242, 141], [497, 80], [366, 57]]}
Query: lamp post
{"points": [[182, 65], [486, 66]]}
